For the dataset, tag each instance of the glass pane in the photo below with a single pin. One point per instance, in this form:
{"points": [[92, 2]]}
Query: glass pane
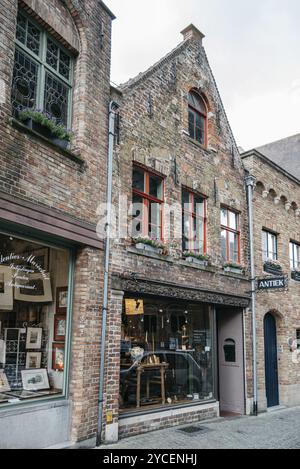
{"points": [[272, 246], [199, 235], [56, 99], [137, 216], [33, 324], [21, 28], [265, 245], [25, 77], [185, 199], [155, 187], [297, 257], [197, 102], [64, 65], [233, 247], [186, 238], [33, 38], [233, 220], [200, 129], [52, 54], [230, 351], [224, 245], [191, 124], [154, 220], [292, 259], [138, 180], [168, 338], [199, 206], [224, 221]]}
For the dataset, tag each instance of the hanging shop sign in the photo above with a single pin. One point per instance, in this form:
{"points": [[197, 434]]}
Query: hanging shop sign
{"points": [[134, 307], [272, 283]]}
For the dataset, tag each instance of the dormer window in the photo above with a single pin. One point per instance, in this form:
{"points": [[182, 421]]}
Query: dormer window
{"points": [[197, 118]]}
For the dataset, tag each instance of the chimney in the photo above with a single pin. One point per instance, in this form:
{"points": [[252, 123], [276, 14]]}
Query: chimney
{"points": [[191, 32]]}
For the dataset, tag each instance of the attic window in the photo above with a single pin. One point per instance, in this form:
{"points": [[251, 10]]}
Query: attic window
{"points": [[197, 118]]}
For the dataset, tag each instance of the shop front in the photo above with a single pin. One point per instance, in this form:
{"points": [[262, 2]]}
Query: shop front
{"points": [[173, 368], [39, 291]]}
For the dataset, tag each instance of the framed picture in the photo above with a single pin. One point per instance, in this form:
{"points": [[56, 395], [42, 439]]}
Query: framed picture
{"points": [[38, 257], [4, 384], [33, 360], [61, 300], [34, 380], [58, 356], [60, 327], [6, 289], [35, 289], [34, 338]]}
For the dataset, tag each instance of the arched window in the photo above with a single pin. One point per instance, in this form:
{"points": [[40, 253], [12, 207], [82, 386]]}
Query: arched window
{"points": [[197, 118], [230, 351]]}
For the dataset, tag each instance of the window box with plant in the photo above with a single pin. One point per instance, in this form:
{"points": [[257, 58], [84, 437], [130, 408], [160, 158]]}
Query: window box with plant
{"points": [[296, 275], [150, 245], [46, 125], [194, 258], [233, 267], [273, 267]]}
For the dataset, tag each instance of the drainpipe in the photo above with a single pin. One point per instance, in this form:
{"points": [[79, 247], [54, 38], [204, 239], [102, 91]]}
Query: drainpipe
{"points": [[250, 183], [112, 114]]}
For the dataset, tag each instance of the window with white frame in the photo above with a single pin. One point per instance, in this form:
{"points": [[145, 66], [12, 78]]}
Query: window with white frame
{"points": [[43, 72], [294, 256], [269, 246]]}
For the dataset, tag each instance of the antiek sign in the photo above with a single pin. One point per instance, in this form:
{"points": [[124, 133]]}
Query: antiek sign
{"points": [[271, 283]]}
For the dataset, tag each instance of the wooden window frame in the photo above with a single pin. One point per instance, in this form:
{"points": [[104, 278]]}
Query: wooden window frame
{"points": [[231, 230], [196, 112], [147, 198], [193, 215]]}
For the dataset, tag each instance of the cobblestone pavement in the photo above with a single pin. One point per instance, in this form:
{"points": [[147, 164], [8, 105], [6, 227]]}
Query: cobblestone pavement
{"points": [[271, 430]]}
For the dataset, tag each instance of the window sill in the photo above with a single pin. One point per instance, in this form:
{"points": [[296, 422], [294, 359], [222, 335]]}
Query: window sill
{"points": [[199, 145], [234, 274], [194, 265], [149, 254], [23, 128]]}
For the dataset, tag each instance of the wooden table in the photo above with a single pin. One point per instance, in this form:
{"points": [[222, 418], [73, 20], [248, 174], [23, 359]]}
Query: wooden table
{"points": [[149, 367]]}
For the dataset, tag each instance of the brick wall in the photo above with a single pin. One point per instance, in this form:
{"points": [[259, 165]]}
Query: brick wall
{"points": [[161, 142], [35, 171], [276, 202]]}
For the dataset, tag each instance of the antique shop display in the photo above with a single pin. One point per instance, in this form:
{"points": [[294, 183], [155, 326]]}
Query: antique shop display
{"points": [[33, 321], [165, 354]]}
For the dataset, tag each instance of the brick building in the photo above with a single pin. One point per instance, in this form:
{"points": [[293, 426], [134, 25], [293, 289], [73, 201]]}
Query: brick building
{"points": [[276, 213], [181, 304], [55, 58]]}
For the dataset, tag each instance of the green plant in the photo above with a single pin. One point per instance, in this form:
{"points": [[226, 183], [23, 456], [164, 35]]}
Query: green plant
{"points": [[200, 257], [149, 242], [233, 265], [46, 120]]}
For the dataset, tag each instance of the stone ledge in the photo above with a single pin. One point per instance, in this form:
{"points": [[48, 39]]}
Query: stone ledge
{"points": [[23, 128], [149, 254]]}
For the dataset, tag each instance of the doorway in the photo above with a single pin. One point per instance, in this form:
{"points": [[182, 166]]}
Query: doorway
{"points": [[231, 361], [271, 360]]}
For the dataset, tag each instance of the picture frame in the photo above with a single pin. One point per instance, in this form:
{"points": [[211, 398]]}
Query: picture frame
{"points": [[39, 256], [60, 324], [34, 338], [4, 384], [35, 380], [6, 289], [58, 356], [33, 360], [36, 289], [61, 300]]}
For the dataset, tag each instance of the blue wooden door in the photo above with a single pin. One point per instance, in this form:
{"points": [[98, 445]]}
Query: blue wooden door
{"points": [[271, 362]]}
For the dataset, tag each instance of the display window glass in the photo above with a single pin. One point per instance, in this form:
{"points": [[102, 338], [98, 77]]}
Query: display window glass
{"points": [[166, 354], [34, 310]]}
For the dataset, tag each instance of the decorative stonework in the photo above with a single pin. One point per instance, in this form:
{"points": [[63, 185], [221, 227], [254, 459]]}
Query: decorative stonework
{"points": [[155, 288]]}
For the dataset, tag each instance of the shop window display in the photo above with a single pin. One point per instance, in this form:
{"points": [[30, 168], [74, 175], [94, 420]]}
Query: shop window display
{"points": [[166, 354], [33, 319]]}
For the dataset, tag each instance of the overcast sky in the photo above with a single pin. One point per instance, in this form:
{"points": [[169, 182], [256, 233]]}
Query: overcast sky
{"points": [[253, 48]]}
